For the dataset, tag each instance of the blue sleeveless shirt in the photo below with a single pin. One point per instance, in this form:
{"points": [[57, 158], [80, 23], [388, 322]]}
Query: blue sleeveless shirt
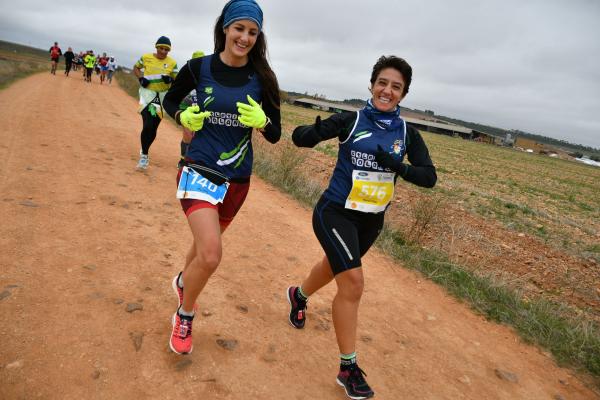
{"points": [[223, 144], [357, 152]]}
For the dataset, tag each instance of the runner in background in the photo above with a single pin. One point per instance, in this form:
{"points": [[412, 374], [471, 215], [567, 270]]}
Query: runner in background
{"points": [[55, 53], [89, 61], [155, 72], [97, 66], [103, 64], [373, 144], [69, 56], [189, 100], [83, 68], [112, 67], [77, 62], [233, 86]]}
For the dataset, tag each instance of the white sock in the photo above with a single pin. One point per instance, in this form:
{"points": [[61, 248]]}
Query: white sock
{"points": [[181, 311]]}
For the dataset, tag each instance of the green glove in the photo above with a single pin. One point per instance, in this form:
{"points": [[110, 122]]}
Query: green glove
{"points": [[192, 118], [252, 114]]}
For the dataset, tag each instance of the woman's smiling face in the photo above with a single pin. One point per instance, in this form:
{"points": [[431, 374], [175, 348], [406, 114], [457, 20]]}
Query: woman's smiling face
{"points": [[388, 89], [240, 38]]}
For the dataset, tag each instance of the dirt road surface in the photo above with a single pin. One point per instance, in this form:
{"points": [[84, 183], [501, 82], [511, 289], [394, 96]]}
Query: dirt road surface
{"points": [[88, 248]]}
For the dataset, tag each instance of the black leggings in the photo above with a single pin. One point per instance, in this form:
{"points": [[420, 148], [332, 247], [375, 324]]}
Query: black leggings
{"points": [[345, 235], [149, 128]]}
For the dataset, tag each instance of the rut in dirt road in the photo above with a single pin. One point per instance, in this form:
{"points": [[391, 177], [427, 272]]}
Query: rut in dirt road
{"points": [[89, 246]]}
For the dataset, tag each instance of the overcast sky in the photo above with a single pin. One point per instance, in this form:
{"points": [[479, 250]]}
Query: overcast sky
{"points": [[515, 64]]}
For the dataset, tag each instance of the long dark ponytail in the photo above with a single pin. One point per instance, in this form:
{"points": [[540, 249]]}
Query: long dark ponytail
{"points": [[258, 57]]}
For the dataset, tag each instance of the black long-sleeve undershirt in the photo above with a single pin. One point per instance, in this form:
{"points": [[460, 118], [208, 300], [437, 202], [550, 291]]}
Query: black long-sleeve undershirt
{"points": [[225, 75], [420, 171]]}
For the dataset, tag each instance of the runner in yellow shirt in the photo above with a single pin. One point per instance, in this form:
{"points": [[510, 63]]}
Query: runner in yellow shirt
{"points": [[89, 60], [155, 71]]}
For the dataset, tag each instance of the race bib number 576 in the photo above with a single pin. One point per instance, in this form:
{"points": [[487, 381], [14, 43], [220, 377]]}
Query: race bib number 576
{"points": [[371, 191]]}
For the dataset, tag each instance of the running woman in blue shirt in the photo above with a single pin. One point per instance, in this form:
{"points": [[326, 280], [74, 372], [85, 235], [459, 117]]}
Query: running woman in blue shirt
{"points": [[190, 100], [373, 146], [230, 85]]}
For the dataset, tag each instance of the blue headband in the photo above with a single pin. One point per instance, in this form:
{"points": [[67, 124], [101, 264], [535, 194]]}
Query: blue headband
{"points": [[236, 10]]}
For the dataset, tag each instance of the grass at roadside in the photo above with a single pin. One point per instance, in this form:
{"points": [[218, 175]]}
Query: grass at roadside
{"points": [[18, 62], [128, 82], [572, 339]]}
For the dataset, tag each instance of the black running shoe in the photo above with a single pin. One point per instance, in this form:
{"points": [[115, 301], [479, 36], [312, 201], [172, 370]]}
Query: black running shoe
{"points": [[297, 308], [354, 383]]}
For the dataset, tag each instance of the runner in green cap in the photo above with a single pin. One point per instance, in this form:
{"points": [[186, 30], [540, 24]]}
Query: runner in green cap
{"points": [[155, 72]]}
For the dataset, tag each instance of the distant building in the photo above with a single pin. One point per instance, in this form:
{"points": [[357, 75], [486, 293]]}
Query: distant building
{"points": [[528, 144], [324, 105]]}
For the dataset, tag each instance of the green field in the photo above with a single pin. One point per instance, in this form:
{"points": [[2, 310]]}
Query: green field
{"points": [[18, 61], [555, 200]]}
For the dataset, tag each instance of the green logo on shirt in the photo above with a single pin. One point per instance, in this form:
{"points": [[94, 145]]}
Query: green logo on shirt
{"points": [[208, 90], [207, 101]]}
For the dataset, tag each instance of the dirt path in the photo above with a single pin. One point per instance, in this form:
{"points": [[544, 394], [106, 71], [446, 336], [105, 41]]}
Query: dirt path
{"points": [[83, 236]]}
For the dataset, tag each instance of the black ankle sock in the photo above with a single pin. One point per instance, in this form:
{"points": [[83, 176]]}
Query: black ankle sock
{"points": [[347, 363]]}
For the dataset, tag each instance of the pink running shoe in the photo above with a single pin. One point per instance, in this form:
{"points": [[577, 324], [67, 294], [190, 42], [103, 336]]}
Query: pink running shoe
{"points": [[181, 337]]}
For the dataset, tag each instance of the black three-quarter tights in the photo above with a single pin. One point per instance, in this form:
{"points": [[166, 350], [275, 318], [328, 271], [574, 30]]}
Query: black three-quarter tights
{"points": [[345, 235], [148, 130]]}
